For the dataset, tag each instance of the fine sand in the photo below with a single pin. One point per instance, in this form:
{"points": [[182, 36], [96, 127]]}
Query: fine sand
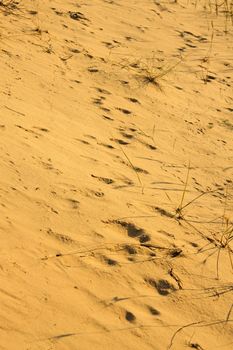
{"points": [[116, 187]]}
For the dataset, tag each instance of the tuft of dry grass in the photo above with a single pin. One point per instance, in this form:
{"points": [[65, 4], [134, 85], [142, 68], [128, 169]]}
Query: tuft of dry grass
{"points": [[221, 240], [149, 70], [150, 73]]}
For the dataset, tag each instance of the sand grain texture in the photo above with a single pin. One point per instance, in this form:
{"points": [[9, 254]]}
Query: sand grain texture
{"points": [[104, 107]]}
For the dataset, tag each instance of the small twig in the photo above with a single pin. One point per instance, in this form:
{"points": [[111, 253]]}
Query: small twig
{"points": [[134, 169], [179, 330], [13, 110]]}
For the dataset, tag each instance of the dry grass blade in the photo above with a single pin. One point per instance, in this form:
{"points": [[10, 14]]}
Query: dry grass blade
{"points": [[134, 169], [153, 75], [229, 313], [180, 207], [221, 240], [149, 71], [179, 330], [200, 324], [179, 215]]}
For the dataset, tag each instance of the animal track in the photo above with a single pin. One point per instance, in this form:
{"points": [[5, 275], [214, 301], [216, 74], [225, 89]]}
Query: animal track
{"points": [[110, 262], [98, 101], [128, 136], [121, 142], [93, 70], [28, 130], [103, 91], [130, 249], [83, 141], [60, 237], [133, 100], [98, 194], [74, 203], [140, 170], [105, 109], [164, 212], [106, 145], [124, 111], [41, 129], [103, 179], [144, 238], [78, 16], [133, 231], [49, 166], [130, 317], [153, 311], [107, 118], [162, 286]]}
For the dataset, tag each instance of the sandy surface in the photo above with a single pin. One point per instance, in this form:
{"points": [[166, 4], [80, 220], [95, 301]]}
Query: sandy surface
{"points": [[115, 114]]}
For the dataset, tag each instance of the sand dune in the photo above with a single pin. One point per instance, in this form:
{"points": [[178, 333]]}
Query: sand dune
{"points": [[116, 175]]}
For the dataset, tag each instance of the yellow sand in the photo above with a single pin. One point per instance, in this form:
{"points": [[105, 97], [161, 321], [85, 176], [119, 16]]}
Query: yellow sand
{"points": [[114, 114]]}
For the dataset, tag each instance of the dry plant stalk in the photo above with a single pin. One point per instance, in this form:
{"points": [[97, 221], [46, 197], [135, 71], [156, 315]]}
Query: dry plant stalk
{"points": [[149, 71], [179, 214], [134, 169], [206, 59], [219, 7], [221, 240]]}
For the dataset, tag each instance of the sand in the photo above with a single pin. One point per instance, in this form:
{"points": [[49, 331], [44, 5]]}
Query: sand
{"points": [[116, 175]]}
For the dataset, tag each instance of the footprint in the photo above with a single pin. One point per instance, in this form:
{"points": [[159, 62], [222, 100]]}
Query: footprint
{"points": [[105, 109], [74, 203], [133, 231], [98, 101], [83, 141], [103, 179], [129, 38], [164, 212], [144, 238], [90, 137], [49, 166], [76, 81], [150, 146], [103, 91], [133, 100], [107, 118], [124, 110], [140, 170], [28, 130], [110, 262], [93, 70], [121, 142], [124, 82], [41, 129], [110, 45], [130, 249], [59, 13], [77, 16], [162, 286], [130, 317], [98, 194], [128, 136], [153, 311], [106, 145], [175, 252], [60, 237]]}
